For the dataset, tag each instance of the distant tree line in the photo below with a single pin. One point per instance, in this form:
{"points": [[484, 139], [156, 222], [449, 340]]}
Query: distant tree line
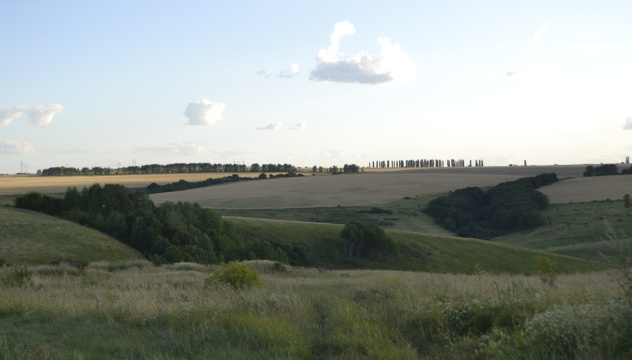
{"points": [[606, 169], [154, 188], [178, 168], [422, 163], [166, 233], [507, 207], [366, 240]]}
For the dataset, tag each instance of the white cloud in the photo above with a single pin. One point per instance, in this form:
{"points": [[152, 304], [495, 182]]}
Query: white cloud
{"points": [[271, 126], [176, 149], [42, 115], [391, 65], [204, 112], [298, 126], [39, 115], [537, 37], [292, 71], [16, 147], [9, 114], [628, 124], [264, 73]]}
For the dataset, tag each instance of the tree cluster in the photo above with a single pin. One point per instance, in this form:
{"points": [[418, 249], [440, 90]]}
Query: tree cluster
{"points": [[178, 168], [601, 170], [366, 240], [422, 163], [351, 168], [154, 188], [507, 207], [166, 233]]}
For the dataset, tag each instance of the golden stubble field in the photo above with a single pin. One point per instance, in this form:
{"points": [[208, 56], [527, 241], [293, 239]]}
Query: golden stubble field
{"points": [[369, 188], [585, 189], [20, 184]]}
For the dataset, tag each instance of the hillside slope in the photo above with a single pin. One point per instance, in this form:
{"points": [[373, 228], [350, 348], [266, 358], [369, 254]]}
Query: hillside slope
{"points": [[28, 237], [320, 246]]}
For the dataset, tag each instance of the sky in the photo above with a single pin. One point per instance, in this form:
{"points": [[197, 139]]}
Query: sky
{"points": [[118, 83]]}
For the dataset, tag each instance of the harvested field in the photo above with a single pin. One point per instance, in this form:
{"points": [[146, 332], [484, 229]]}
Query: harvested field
{"points": [[21, 184], [368, 188], [585, 189]]}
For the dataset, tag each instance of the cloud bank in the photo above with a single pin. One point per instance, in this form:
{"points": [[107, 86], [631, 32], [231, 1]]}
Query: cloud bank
{"points": [[628, 124], [204, 112], [40, 115], [391, 65], [298, 126], [271, 126], [16, 147]]}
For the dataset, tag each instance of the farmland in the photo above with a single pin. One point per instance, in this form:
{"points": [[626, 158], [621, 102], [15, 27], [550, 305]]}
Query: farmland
{"points": [[20, 184], [439, 297], [354, 189]]}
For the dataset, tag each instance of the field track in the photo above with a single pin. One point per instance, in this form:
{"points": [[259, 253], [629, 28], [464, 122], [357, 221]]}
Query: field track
{"points": [[368, 188]]}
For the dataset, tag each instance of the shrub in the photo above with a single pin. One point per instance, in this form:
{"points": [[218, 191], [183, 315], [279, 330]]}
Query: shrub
{"points": [[568, 331], [19, 276], [234, 274], [547, 271]]}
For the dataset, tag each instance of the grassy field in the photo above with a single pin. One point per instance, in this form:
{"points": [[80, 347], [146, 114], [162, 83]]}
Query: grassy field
{"points": [[28, 237], [465, 299], [137, 311], [576, 229], [322, 247]]}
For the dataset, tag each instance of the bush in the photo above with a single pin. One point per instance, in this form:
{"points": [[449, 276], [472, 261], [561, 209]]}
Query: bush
{"points": [[547, 271], [19, 276], [237, 275]]}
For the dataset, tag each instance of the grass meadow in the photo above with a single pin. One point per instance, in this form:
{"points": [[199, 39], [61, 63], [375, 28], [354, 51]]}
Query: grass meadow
{"points": [[133, 310], [68, 292]]}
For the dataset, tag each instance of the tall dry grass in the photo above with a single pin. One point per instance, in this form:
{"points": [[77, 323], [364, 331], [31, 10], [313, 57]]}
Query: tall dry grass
{"points": [[135, 310]]}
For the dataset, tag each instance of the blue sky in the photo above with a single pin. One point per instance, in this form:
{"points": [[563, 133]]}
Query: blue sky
{"points": [[314, 83]]}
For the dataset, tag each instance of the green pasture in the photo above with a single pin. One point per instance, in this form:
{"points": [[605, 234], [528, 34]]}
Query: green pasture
{"points": [[28, 237]]}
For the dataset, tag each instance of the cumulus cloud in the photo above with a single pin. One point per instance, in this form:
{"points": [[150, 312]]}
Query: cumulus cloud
{"points": [[391, 65], [536, 39], [271, 126], [7, 115], [204, 112], [39, 115], [16, 147], [264, 73], [292, 71], [298, 126], [42, 115], [628, 124], [176, 149]]}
